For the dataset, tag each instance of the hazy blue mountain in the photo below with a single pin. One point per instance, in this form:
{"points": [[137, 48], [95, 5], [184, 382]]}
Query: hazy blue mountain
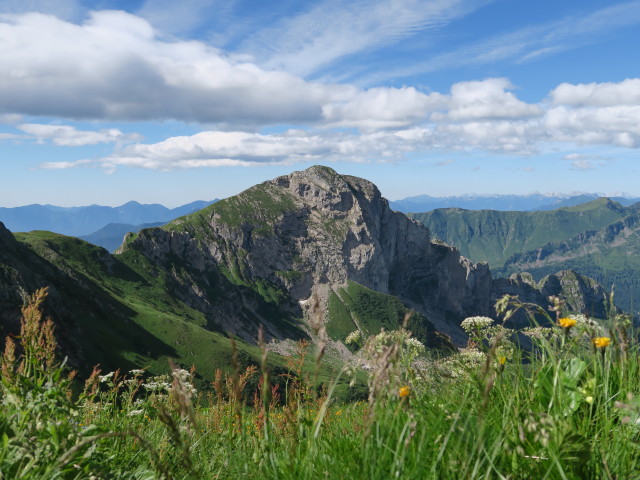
{"points": [[531, 202], [77, 221]]}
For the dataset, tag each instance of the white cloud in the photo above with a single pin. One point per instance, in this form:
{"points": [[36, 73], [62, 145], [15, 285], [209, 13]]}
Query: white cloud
{"points": [[63, 165], [499, 136], [617, 125], [475, 116], [114, 67], [583, 162], [486, 99], [383, 108], [214, 149], [65, 135], [605, 94], [9, 136]]}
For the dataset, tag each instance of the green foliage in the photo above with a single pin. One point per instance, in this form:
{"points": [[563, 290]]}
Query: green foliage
{"points": [[259, 206], [571, 411], [358, 307], [126, 314]]}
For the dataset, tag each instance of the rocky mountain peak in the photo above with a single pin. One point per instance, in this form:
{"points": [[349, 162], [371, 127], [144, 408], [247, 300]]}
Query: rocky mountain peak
{"points": [[315, 231]]}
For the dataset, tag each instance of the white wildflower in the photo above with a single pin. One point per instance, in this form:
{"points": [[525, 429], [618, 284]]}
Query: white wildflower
{"points": [[182, 379], [414, 345], [473, 324], [106, 378]]}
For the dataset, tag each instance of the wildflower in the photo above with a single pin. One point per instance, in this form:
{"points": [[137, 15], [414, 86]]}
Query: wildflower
{"points": [[601, 342], [404, 392], [414, 345], [107, 377], [471, 324], [567, 322], [502, 360], [354, 337]]}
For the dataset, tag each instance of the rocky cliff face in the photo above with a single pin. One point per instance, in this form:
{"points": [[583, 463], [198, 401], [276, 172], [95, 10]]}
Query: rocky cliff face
{"points": [[257, 259], [298, 234]]}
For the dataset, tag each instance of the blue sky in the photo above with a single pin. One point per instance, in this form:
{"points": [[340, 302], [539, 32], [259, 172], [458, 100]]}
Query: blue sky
{"points": [[168, 102]]}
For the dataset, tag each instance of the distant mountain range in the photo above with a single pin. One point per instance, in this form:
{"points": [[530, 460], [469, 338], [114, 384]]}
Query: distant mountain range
{"points": [[531, 202], [78, 221], [111, 236]]}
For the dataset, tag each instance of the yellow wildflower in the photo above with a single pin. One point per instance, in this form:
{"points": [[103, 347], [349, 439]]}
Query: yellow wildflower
{"points": [[567, 322], [601, 342], [404, 391], [502, 360]]}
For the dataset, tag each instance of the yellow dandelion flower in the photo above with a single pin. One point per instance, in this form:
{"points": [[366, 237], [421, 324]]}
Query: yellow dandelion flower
{"points": [[404, 391], [567, 322], [502, 360], [601, 342]]}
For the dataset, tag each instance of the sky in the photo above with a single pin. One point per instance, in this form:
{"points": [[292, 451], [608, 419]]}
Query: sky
{"points": [[164, 101]]}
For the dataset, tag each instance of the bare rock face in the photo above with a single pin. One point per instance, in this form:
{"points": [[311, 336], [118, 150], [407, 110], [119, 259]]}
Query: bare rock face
{"points": [[288, 236], [283, 240]]}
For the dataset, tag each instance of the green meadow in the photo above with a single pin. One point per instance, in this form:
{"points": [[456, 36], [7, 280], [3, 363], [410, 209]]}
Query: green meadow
{"points": [[568, 407]]}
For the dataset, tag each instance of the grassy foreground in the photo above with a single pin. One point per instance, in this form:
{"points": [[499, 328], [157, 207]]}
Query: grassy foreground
{"points": [[570, 409]]}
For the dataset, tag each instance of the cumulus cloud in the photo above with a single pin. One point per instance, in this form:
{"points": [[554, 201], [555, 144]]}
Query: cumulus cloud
{"points": [[215, 149], [383, 108], [484, 100], [604, 94], [113, 66], [617, 125], [65, 135], [474, 116]]}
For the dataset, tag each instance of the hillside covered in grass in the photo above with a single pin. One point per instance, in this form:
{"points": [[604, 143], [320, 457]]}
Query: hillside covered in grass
{"points": [[493, 236]]}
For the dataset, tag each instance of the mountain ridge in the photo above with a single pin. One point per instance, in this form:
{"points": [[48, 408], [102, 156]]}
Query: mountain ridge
{"points": [[530, 202], [266, 258]]}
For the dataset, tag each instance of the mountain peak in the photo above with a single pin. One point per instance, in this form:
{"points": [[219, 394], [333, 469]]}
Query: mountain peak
{"points": [[327, 180]]}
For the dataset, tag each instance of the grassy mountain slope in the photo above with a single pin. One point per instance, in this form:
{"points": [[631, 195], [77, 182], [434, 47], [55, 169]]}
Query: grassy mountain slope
{"points": [[610, 255], [117, 311], [493, 236], [356, 307]]}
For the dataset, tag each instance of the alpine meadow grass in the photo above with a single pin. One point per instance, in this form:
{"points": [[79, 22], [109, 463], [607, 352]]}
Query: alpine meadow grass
{"points": [[566, 408]]}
